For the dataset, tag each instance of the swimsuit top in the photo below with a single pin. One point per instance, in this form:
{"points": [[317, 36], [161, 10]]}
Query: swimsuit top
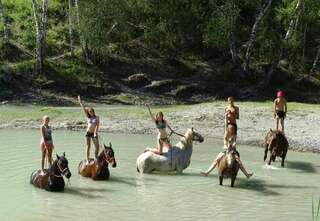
{"points": [[161, 125], [47, 134], [92, 120]]}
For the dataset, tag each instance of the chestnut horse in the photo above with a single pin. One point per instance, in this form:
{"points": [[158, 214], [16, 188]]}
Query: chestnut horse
{"points": [[52, 180], [98, 170], [228, 166], [277, 144]]}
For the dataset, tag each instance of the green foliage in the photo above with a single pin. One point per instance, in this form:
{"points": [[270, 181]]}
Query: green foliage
{"points": [[173, 30]]}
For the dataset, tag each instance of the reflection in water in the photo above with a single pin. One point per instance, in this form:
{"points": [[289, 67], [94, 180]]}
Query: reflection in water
{"points": [[128, 195]]}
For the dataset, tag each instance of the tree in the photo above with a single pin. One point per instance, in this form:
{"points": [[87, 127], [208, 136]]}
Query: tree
{"points": [[5, 23], [41, 20], [264, 9], [71, 35]]}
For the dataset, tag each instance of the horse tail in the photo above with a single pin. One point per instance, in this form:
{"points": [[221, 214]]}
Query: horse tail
{"points": [[32, 176], [79, 166]]}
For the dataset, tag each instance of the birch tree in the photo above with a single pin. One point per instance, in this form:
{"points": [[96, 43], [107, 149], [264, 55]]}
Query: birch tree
{"points": [[5, 23], [264, 9], [41, 20], [70, 27], [315, 62]]}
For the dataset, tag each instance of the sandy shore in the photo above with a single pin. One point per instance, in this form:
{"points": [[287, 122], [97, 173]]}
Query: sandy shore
{"points": [[301, 126]]}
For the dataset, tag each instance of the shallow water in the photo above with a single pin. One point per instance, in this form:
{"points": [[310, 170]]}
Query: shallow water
{"points": [[273, 193]]}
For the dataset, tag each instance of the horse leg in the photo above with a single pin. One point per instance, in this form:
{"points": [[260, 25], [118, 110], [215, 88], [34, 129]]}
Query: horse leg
{"points": [[220, 180], [233, 178], [270, 159], [265, 152]]}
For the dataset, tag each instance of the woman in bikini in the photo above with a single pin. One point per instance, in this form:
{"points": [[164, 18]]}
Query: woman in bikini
{"points": [[92, 130], [231, 115], [162, 138], [46, 142]]}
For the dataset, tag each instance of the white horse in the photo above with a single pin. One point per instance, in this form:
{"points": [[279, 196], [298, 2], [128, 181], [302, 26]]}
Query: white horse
{"points": [[176, 159]]}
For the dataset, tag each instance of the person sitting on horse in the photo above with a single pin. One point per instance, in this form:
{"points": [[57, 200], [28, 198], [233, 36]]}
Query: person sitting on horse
{"points": [[231, 115], [162, 138], [93, 122], [46, 142], [280, 110], [230, 147]]}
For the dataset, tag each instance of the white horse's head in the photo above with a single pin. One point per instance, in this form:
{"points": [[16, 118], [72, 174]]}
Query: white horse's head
{"points": [[191, 136]]}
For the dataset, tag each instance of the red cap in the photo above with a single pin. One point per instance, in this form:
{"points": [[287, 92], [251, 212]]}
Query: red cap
{"points": [[280, 94]]}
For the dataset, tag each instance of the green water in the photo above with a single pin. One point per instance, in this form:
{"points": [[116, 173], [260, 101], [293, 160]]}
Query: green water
{"points": [[273, 193]]}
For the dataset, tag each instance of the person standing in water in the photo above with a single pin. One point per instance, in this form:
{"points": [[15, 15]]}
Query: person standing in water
{"points": [[92, 130], [231, 115], [280, 110], [162, 138], [46, 142]]}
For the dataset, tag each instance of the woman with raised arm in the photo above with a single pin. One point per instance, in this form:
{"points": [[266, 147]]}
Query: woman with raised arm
{"points": [[162, 138], [92, 130]]}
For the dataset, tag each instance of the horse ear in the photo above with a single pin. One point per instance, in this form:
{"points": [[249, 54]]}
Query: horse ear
{"points": [[64, 154], [192, 129], [270, 130], [58, 156], [105, 147], [110, 144]]}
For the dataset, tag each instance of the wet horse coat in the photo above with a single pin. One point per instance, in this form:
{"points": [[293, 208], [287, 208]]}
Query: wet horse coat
{"points": [[277, 144], [52, 180], [228, 167], [177, 158], [98, 170]]}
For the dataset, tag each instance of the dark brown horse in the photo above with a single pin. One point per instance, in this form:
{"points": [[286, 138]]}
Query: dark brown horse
{"points": [[277, 144], [52, 180], [228, 166], [98, 170]]}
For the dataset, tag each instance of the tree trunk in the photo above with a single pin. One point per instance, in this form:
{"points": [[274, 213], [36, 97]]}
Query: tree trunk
{"points": [[83, 44], [233, 48], [315, 62], [5, 24], [292, 26], [40, 25], [70, 27], [294, 20], [253, 34]]}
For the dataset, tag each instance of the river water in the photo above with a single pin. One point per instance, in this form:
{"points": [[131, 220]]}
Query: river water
{"points": [[273, 193]]}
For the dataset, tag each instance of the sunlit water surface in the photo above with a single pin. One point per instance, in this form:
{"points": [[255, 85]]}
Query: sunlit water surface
{"points": [[273, 193]]}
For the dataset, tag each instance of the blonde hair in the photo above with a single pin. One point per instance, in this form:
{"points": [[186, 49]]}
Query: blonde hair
{"points": [[158, 115], [88, 110], [44, 118]]}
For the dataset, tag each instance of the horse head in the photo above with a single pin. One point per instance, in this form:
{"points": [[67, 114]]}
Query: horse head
{"points": [[230, 153], [108, 155], [62, 165], [191, 135]]}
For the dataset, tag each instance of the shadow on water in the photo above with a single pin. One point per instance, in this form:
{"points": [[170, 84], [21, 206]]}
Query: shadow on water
{"points": [[256, 185], [265, 188], [304, 167], [123, 180], [86, 192]]}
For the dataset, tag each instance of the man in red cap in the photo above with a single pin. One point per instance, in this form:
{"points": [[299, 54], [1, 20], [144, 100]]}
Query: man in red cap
{"points": [[280, 110]]}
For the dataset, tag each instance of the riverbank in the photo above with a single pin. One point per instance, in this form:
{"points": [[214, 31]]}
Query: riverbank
{"points": [[256, 119]]}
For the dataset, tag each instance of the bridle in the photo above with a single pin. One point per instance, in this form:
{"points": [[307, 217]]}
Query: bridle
{"points": [[62, 171], [107, 157]]}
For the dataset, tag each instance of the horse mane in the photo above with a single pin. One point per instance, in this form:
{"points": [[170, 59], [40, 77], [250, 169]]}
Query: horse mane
{"points": [[185, 140], [53, 167]]}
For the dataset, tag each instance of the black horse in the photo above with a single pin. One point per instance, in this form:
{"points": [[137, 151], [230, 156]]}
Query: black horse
{"points": [[52, 180], [98, 170]]}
